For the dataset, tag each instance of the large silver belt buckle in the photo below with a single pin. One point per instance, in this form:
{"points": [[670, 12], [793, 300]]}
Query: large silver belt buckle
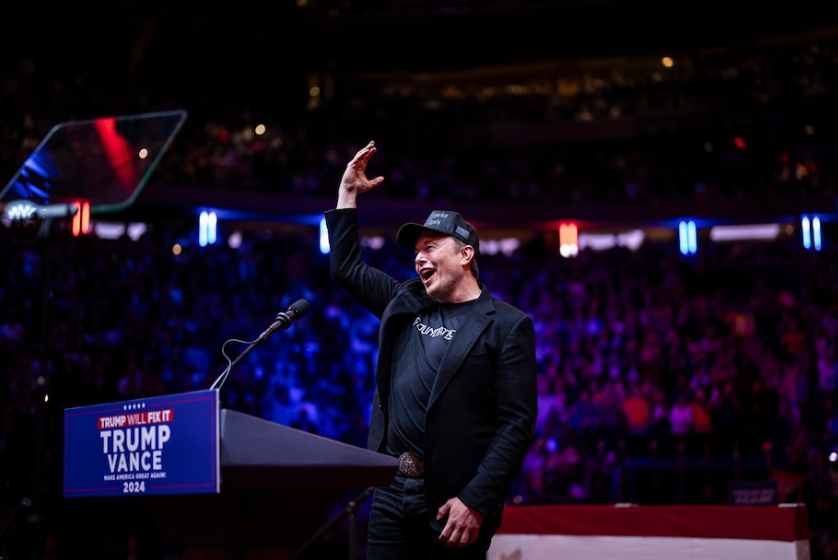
{"points": [[410, 465]]}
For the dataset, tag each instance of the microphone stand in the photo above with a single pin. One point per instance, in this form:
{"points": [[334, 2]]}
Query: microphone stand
{"points": [[25, 502], [283, 321], [349, 510], [47, 216], [219, 381]]}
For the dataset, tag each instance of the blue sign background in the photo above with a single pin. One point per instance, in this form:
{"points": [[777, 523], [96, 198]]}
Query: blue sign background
{"points": [[187, 463]]}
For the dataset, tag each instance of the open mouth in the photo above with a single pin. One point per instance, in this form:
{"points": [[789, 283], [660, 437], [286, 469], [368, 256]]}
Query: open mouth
{"points": [[426, 273]]}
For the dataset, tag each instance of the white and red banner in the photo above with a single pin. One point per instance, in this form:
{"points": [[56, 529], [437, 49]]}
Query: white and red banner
{"points": [[630, 532]]}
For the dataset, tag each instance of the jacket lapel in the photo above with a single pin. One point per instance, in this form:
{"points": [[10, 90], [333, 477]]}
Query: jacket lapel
{"points": [[413, 301], [474, 324]]}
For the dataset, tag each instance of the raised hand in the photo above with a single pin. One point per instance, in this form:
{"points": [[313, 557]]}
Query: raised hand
{"points": [[354, 181]]}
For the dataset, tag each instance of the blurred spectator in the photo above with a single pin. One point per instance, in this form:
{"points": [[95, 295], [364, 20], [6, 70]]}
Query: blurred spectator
{"points": [[636, 410], [681, 415]]}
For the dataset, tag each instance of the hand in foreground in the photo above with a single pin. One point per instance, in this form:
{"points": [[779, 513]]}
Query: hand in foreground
{"points": [[462, 526], [354, 180]]}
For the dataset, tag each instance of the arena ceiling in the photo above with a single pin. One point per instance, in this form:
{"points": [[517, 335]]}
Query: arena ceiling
{"points": [[347, 35]]}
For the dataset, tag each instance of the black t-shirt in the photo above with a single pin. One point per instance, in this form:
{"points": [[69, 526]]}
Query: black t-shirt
{"points": [[419, 352]]}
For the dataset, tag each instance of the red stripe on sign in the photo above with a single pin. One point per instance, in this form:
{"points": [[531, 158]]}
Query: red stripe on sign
{"points": [[775, 523]]}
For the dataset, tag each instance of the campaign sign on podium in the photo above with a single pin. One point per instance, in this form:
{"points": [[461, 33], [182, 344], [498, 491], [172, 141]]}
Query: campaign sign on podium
{"points": [[158, 445]]}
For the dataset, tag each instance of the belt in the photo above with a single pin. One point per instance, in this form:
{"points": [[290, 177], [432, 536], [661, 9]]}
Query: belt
{"points": [[410, 465]]}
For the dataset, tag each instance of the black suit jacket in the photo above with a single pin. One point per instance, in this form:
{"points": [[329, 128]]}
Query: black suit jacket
{"points": [[483, 404]]}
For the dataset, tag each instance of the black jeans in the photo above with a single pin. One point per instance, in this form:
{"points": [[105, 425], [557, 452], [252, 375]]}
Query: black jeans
{"points": [[399, 528]]}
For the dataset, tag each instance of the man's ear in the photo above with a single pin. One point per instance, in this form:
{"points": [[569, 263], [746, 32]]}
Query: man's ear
{"points": [[467, 252]]}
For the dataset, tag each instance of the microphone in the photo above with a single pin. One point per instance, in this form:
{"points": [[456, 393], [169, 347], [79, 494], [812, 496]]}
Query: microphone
{"points": [[283, 321], [285, 318]]}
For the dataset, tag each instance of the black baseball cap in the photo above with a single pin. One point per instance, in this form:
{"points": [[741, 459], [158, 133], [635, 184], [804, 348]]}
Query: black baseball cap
{"points": [[444, 222]]}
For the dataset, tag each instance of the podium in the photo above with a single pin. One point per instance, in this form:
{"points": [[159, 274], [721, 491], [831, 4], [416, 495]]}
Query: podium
{"points": [[278, 485], [218, 483]]}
